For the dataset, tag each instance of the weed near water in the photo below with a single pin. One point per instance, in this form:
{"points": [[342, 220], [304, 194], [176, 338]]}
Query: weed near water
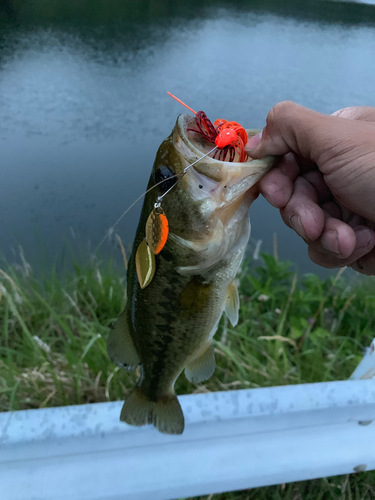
{"points": [[53, 353]]}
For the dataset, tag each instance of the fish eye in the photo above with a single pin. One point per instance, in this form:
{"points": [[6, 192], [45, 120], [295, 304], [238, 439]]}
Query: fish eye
{"points": [[165, 174]]}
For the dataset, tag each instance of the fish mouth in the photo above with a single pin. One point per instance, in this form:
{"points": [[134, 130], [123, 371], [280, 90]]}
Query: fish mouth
{"points": [[192, 145], [196, 142]]}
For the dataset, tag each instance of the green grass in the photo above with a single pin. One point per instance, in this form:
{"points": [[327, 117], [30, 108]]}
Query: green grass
{"points": [[53, 353]]}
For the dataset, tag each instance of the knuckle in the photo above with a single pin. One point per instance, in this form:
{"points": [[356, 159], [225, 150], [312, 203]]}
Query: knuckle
{"points": [[343, 112], [281, 111], [362, 113]]}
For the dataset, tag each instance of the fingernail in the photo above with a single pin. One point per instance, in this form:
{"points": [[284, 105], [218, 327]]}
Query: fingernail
{"points": [[330, 242], [363, 236], [295, 222], [254, 141]]}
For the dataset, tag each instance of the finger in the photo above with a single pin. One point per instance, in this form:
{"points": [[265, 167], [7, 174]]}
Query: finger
{"points": [[304, 164], [303, 213], [366, 264], [332, 209], [363, 113], [277, 185], [351, 218], [316, 179], [365, 242], [291, 127], [337, 240], [312, 135]]}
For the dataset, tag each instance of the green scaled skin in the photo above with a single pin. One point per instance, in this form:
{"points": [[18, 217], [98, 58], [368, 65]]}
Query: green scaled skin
{"points": [[168, 326]]}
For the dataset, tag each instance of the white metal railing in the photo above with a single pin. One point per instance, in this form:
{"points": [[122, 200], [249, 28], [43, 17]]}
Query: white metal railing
{"points": [[233, 440]]}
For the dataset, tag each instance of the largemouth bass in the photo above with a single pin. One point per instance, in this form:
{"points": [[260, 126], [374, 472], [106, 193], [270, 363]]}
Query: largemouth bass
{"points": [[168, 325]]}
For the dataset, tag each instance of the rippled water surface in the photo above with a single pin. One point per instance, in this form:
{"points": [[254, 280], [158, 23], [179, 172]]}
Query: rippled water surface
{"points": [[83, 103]]}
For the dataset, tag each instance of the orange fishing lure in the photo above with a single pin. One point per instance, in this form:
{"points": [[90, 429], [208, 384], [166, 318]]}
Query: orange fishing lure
{"points": [[230, 138]]}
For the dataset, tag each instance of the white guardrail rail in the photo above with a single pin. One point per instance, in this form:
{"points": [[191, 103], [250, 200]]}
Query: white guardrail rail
{"points": [[233, 440]]}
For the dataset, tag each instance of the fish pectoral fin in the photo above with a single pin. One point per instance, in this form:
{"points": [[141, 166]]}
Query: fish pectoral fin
{"points": [[195, 296], [202, 367], [232, 303], [165, 413], [120, 345]]}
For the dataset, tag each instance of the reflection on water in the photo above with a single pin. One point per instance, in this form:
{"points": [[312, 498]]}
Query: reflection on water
{"points": [[83, 100]]}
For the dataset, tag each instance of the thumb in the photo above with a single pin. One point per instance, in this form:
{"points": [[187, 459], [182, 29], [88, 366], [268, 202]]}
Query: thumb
{"points": [[294, 128]]}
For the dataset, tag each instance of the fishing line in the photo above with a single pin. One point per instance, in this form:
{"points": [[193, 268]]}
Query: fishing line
{"points": [[227, 134], [110, 230]]}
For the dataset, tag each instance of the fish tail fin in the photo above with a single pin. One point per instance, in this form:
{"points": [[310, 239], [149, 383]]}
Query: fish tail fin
{"points": [[165, 413]]}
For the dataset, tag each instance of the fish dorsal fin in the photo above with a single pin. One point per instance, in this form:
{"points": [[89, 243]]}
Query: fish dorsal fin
{"points": [[232, 303], [202, 367], [120, 345]]}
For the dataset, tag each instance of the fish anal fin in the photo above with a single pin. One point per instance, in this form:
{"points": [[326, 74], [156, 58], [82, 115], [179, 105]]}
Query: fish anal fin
{"points": [[232, 303], [120, 345], [165, 413], [202, 367]]}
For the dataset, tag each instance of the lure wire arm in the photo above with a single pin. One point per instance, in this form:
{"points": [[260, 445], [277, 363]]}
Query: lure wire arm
{"points": [[208, 130], [183, 173], [146, 192]]}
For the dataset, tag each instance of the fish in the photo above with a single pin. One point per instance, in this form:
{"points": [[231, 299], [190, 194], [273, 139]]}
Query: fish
{"points": [[173, 311]]}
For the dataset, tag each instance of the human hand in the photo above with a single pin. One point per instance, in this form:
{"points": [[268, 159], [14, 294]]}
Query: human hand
{"points": [[324, 182]]}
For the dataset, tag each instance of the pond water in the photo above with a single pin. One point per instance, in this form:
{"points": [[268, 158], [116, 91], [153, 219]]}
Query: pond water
{"points": [[83, 102]]}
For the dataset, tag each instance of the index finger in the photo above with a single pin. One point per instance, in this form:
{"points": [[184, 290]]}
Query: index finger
{"points": [[277, 185]]}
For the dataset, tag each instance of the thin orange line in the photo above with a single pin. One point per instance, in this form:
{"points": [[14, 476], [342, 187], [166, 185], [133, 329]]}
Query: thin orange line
{"points": [[179, 100]]}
